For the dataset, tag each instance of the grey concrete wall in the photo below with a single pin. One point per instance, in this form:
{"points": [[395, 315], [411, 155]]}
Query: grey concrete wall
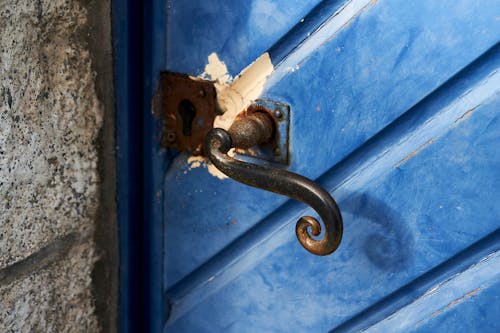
{"points": [[57, 224]]}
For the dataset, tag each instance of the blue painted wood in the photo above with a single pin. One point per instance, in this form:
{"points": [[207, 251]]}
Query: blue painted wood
{"points": [[154, 163], [444, 297], [127, 138], [405, 97], [405, 296], [222, 227], [238, 31], [139, 54], [304, 29], [181, 259], [382, 250], [465, 314]]}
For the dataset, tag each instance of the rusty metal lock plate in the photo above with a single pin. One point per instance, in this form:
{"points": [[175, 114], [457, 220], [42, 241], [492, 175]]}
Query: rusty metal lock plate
{"points": [[188, 107], [277, 150]]}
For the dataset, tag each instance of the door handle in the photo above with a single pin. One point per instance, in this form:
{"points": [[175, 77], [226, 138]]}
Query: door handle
{"points": [[258, 128]]}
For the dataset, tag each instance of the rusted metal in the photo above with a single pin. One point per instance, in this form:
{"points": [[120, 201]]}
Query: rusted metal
{"points": [[218, 142], [254, 129], [188, 109], [276, 149]]}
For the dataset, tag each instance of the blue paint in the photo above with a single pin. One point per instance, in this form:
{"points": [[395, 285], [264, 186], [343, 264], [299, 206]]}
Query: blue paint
{"points": [[238, 31], [351, 125], [381, 156], [155, 162], [420, 286], [443, 296], [127, 139], [139, 55], [482, 307], [361, 89], [394, 107], [304, 29], [327, 19], [420, 234]]}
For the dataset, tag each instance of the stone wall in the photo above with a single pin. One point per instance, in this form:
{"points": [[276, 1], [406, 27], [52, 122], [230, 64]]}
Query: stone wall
{"points": [[57, 227]]}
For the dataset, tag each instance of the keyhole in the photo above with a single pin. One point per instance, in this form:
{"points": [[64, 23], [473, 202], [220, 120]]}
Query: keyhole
{"points": [[187, 112]]}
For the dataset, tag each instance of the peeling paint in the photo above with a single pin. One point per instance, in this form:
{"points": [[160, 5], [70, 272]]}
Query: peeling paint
{"points": [[195, 162], [248, 86], [199, 161], [232, 98], [463, 298], [465, 115], [216, 70], [446, 294], [449, 306], [413, 153]]}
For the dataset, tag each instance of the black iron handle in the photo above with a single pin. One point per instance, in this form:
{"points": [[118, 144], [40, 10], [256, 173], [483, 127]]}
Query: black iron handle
{"points": [[255, 129]]}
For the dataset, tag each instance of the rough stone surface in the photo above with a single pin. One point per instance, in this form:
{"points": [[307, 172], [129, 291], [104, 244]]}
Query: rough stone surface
{"points": [[54, 299], [50, 118], [49, 122]]}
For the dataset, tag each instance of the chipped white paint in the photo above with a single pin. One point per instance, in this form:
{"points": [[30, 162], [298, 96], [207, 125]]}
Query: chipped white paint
{"points": [[233, 97], [199, 161], [216, 70], [246, 88]]}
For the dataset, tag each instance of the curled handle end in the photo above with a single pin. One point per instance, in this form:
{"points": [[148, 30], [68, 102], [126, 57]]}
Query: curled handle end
{"points": [[217, 144]]}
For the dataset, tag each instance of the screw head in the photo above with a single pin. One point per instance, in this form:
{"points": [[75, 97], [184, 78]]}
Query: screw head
{"points": [[171, 137], [277, 113], [202, 93], [197, 151]]}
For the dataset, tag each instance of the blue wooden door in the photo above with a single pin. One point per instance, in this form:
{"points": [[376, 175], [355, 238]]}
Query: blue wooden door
{"points": [[395, 110]]}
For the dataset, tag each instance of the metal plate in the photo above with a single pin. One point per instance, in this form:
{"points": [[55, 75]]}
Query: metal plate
{"points": [[277, 150], [188, 106]]}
